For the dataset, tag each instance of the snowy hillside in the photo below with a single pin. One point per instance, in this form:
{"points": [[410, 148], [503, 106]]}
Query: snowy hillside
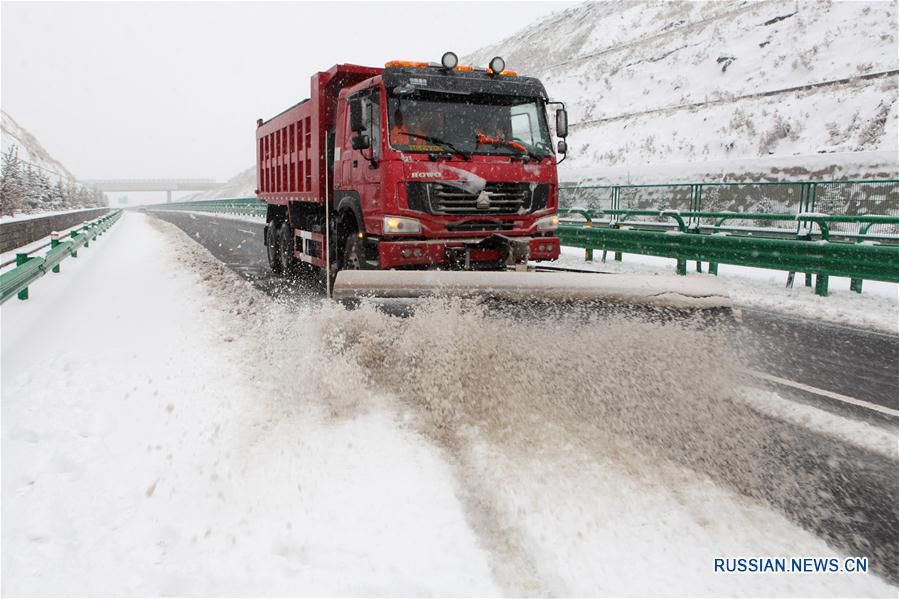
{"points": [[31, 151], [33, 182], [774, 88]]}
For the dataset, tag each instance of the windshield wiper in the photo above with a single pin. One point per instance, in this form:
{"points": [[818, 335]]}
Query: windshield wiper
{"points": [[508, 143], [437, 140]]}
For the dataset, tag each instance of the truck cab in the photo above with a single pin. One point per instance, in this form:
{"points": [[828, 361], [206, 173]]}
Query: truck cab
{"points": [[443, 167]]}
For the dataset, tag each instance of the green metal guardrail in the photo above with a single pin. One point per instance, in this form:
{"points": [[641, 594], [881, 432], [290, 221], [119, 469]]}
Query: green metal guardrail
{"points": [[239, 206], [806, 252], [30, 268], [859, 211], [741, 201]]}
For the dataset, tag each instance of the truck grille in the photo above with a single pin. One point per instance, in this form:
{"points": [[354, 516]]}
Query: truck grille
{"points": [[496, 198], [481, 226]]}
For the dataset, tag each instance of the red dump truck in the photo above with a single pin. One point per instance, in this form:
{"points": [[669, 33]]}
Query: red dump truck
{"points": [[411, 166]]}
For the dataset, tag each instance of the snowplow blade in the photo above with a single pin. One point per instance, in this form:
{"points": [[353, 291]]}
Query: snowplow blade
{"points": [[655, 291]]}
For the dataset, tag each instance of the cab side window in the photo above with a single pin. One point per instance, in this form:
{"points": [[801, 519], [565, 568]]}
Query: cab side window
{"points": [[371, 115]]}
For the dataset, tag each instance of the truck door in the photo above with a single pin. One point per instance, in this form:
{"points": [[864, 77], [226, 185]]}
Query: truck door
{"points": [[366, 164]]}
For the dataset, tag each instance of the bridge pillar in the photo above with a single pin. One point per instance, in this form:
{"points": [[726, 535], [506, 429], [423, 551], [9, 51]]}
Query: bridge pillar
{"points": [[168, 196]]}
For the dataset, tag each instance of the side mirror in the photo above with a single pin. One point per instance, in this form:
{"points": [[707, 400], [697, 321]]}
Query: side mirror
{"points": [[356, 123], [361, 142], [562, 122], [562, 147]]}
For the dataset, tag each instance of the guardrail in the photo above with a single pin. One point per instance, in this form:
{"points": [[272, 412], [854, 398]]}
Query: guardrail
{"points": [[30, 268], [239, 206], [807, 251], [741, 203]]}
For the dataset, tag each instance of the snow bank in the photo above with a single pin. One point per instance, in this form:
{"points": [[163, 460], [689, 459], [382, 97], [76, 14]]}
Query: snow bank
{"points": [[147, 451], [242, 217], [42, 214], [876, 308], [880, 439]]}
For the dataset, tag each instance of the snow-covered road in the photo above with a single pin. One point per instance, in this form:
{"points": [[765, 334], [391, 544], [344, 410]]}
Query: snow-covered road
{"points": [[169, 429]]}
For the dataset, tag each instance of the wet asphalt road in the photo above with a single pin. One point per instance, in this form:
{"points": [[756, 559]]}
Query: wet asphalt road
{"points": [[859, 486]]}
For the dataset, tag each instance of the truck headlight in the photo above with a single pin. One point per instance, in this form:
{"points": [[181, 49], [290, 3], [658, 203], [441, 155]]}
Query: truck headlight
{"points": [[398, 224], [548, 223]]}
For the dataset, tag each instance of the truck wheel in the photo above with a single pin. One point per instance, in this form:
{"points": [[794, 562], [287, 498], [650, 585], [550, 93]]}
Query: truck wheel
{"points": [[273, 246], [286, 261], [353, 254]]}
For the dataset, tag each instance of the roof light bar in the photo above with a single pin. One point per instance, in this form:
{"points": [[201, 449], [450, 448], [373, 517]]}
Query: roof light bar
{"points": [[450, 62], [405, 63]]}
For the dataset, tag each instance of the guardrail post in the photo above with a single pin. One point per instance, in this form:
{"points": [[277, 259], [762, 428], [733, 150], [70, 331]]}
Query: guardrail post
{"points": [[54, 241], [617, 256], [698, 266], [855, 285], [808, 279], [790, 277], [20, 260], [681, 266], [588, 252], [74, 252], [713, 268], [821, 281]]}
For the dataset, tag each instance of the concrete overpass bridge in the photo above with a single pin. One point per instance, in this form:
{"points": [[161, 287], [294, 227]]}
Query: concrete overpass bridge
{"points": [[166, 185]]}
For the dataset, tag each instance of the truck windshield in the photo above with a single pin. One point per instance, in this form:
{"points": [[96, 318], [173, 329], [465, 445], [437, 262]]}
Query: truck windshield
{"points": [[472, 124]]}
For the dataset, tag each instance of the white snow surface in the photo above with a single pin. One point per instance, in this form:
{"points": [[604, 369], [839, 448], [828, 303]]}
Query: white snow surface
{"points": [[881, 439], [167, 429], [151, 460], [32, 215], [242, 217], [877, 307]]}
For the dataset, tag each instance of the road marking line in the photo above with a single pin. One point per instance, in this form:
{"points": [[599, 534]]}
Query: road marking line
{"points": [[247, 232], [825, 393]]}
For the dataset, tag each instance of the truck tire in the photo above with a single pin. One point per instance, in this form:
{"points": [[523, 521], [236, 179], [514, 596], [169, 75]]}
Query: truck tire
{"points": [[286, 261], [273, 246]]}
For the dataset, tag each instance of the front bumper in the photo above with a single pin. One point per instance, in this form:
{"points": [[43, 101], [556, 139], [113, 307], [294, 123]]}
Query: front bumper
{"points": [[466, 253]]}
